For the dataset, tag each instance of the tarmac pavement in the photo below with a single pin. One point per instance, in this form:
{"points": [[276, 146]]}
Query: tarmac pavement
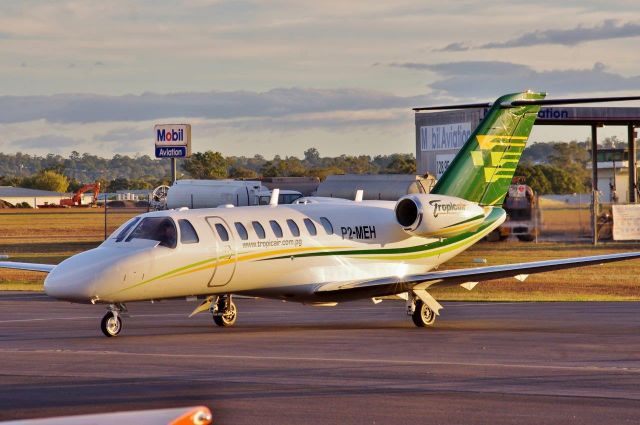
{"points": [[283, 363]]}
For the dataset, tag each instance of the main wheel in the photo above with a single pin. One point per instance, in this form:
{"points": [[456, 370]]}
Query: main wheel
{"points": [[228, 316], [111, 324], [526, 238], [423, 316]]}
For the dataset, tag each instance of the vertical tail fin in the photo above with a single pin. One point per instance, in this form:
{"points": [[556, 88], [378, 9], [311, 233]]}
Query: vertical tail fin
{"points": [[482, 171]]}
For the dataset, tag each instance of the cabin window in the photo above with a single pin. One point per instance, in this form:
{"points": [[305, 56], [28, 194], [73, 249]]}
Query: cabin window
{"points": [[242, 231], [277, 230], [121, 235], [311, 228], [264, 200], [293, 227], [187, 232], [328, 227], [222, 232], [288, 198], [259, 229], [161, 229]]}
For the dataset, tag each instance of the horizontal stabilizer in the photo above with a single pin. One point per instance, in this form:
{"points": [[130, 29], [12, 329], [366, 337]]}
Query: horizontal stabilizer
{"points": [[541, 102]]}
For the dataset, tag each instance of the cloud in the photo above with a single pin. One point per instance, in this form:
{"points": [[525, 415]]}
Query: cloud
{"points": [[333, 120], [487, 78], [454, 47], [607, 30], [49, 141], [125, 134], [470, 68], [73, 108]]}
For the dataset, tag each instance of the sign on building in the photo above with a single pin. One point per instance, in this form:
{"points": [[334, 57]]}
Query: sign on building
{"points": [[173, 140], [444, 137], [442, 163], [626, 222], [440, 135]]}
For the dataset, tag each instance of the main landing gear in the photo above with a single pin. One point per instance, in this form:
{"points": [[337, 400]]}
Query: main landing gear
{"points": [[224, 311], [111, 323], [421, 314]]}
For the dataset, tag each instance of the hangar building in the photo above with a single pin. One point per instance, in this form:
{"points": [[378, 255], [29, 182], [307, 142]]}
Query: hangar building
{"points": [[33, 197]]}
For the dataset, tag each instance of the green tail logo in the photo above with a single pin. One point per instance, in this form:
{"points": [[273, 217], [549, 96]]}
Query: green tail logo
{"points": [[483, 169]]}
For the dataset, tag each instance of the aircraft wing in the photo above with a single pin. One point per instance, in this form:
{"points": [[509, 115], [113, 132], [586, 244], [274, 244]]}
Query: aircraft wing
{"points": [[467, 277], [34, 267]]}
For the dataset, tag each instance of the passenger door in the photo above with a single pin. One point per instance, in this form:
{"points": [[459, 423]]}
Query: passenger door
{"points": [[225, 251]]}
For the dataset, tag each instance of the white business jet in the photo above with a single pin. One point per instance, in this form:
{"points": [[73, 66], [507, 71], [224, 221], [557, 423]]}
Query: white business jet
{"points": [[319, 251]]}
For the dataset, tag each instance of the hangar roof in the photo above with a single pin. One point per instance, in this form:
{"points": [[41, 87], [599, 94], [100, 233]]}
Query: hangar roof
{"points": [[20, 192]]}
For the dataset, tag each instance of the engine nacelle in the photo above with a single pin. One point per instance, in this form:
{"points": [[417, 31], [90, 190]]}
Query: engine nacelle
{"points": [[430, 215]]}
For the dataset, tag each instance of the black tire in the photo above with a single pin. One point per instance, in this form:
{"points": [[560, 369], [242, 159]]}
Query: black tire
{"points": [[526, 238], [228, 317], [423, 316], [111, 325]]}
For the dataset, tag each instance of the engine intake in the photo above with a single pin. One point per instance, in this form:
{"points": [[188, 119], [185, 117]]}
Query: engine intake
{"points": [[437, 215], [407, 212]]}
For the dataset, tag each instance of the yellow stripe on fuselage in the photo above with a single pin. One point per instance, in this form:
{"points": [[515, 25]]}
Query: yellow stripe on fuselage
{"points": [[259, 255], [216, 262]]}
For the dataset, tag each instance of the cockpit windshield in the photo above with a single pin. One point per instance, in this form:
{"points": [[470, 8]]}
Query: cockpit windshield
{"points": [[122, 231], [161, 229]]}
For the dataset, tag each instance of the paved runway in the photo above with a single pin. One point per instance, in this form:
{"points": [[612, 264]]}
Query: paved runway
{"points": [[499, 363]]}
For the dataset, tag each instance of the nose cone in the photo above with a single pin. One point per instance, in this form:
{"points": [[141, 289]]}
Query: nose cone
{"points": [[74, 279], [65, 285]]}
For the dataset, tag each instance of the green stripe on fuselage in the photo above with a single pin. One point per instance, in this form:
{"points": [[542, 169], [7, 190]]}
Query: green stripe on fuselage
{"points": [[493, 216], [465, 221]]}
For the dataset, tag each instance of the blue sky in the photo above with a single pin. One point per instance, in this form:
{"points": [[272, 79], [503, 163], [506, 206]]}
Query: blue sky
{"points": [[277, 77]]}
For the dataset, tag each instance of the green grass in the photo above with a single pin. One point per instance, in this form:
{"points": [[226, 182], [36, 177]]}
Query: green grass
{"points": [[607, 282], [50, 236]]}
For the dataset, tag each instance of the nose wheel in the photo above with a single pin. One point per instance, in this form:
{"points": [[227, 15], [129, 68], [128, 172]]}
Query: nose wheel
{"points": [[225, 312], [111, 323]]}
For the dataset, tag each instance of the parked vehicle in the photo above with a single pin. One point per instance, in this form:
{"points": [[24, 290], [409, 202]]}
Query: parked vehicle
{"points": [[520, 205], [214, 193]]}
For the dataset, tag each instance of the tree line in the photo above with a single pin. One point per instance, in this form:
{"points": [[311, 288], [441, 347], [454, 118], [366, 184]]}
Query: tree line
{"points": [[555, 167], [121, 172]]}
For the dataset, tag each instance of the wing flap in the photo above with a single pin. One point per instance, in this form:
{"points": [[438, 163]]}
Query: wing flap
{"points": [[391, 285], [33, 267]]}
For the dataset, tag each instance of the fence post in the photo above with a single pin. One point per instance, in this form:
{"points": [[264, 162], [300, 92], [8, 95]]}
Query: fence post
{"points": [[536, 217], [105, 216], [594, 217]]}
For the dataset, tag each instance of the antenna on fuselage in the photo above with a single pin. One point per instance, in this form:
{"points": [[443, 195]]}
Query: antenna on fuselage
{"points": [[275, 193]]}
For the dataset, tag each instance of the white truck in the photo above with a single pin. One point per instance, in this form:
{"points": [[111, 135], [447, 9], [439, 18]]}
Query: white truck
{"points": [[214, 193], [387, 187]]}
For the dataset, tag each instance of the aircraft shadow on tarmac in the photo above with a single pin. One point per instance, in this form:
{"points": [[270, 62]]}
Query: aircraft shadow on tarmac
{"points": [[456, 327]]}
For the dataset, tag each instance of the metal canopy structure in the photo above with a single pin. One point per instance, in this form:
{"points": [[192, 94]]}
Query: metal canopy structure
{"points": [[593, 117]]}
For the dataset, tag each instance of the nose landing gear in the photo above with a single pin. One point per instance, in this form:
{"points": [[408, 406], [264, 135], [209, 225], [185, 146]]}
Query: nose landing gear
{"points": [[224, 311], [111, 323]]}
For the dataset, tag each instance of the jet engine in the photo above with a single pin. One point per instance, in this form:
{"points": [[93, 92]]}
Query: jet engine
{"points": [[430, 215]]}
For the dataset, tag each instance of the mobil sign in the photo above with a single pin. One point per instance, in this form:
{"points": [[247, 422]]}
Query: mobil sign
{"points": [[173, 140]]}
